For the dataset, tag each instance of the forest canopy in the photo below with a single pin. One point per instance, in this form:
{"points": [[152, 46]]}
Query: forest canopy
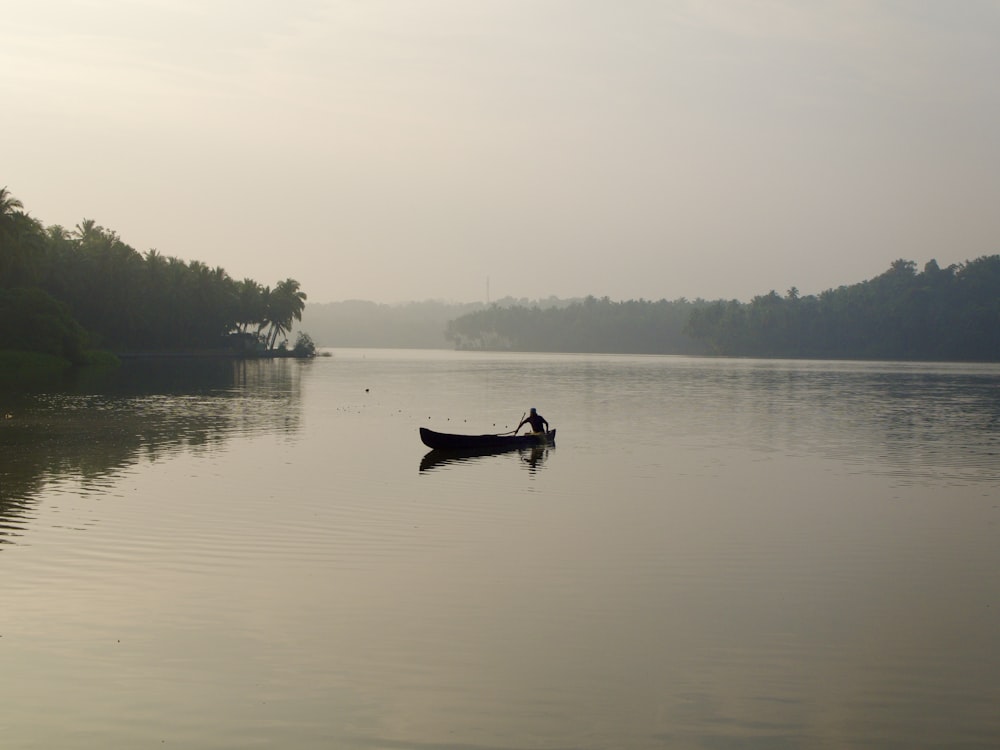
{"points": [[939, 313], [589, 325], [64, 291]]}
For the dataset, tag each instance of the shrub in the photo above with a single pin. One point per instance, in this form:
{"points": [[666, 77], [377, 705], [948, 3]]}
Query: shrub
{"points": [[304, 345]]}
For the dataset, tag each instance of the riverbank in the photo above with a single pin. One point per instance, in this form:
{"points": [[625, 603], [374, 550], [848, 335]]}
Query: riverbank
{"points": [[213, 354]]}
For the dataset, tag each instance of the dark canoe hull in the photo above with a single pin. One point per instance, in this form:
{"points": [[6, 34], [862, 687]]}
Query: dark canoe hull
{"points": [[448, 442]]}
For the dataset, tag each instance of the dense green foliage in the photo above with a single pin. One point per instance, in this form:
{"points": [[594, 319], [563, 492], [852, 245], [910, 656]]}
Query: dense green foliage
{"points": [[18, 366], [948, 313], [60, 284], [304, 345], [592, 325], [33, 321]]}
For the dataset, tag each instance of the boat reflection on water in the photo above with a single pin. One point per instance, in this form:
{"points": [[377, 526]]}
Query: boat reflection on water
{"points": [[533, 457]]}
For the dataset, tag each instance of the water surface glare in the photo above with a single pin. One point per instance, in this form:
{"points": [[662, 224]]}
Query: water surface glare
{"points": [[717, 553]]}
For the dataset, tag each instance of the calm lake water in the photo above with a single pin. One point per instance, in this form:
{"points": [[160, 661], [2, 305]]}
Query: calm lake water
{"points": [[717, 554]]}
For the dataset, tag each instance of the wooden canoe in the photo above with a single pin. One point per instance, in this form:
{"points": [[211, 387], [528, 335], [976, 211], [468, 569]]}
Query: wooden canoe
{"points": [[446, 441]]}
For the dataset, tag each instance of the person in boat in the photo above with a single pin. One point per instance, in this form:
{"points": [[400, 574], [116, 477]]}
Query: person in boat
{"points": [[537, 421]]}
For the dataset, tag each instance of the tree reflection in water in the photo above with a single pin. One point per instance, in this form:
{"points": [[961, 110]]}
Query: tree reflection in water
{"points": [[97, 423]]}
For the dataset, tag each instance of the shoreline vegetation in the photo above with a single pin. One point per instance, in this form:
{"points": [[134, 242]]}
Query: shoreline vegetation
{"points": [[949, 314], [84, 297], [937, 314]]}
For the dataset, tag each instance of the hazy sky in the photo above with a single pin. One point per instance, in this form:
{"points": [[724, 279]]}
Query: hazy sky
{"points": [[400, 150]]}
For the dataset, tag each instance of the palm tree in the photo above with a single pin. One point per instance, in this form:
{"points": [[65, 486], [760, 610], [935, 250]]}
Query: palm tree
{"points": [[155, 259], [289, 289], [252, 305], [22, 241], [87, 231], [284, 303], [58, 233], [10, 209], [9, 205]]}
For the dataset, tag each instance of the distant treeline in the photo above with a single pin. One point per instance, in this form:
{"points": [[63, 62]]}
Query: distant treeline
{"points": [[63, 292], [410, 325], [589, 325], [948, 313]]}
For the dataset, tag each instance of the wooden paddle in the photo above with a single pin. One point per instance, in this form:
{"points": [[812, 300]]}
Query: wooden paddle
{"points": [[514, 431]]}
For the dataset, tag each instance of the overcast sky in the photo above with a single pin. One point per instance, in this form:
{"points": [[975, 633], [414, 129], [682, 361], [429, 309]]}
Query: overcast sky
{"points": [[398, 150]]}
